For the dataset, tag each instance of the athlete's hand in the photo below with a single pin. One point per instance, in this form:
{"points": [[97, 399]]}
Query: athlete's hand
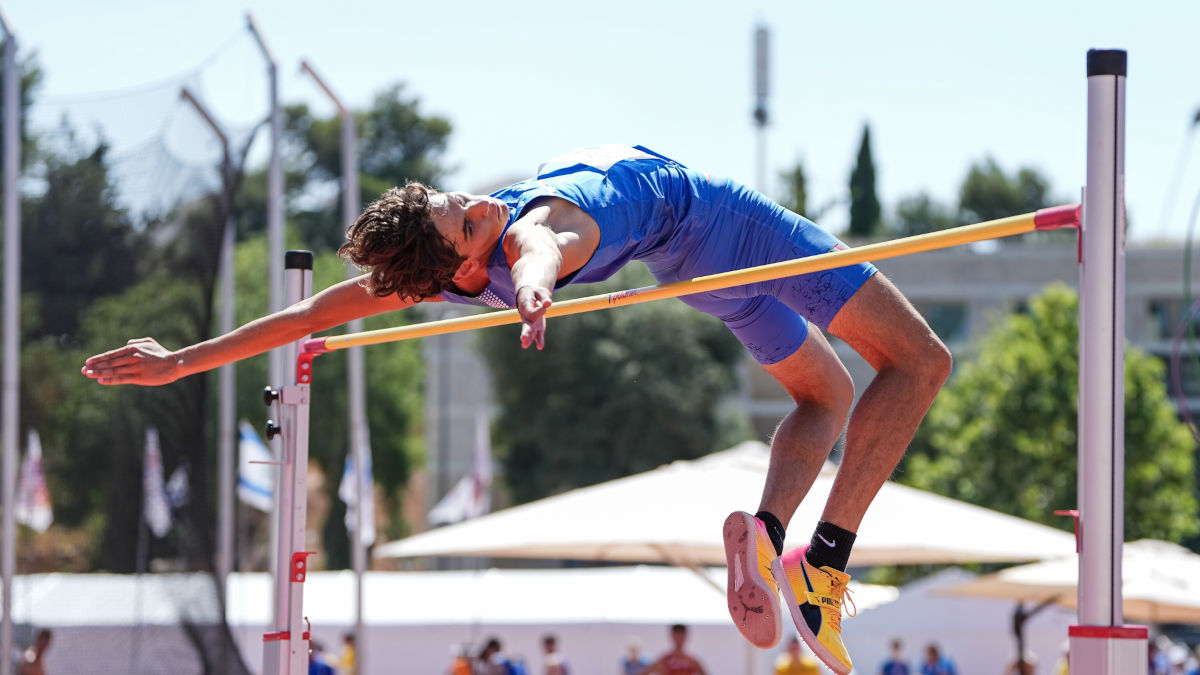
{"points": [[141, 361], [532, 303]]}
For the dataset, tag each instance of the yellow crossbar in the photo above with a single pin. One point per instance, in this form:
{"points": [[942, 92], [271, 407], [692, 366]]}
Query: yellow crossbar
{"points": [[1060, 216]]}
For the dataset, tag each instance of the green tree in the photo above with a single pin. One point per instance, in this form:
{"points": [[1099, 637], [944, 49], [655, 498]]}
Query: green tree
{"points": [[613, 393], [397, 142], [78, 245], [1003, 432], [988, 192], [795, 193], [920, 213], [865, 212]]}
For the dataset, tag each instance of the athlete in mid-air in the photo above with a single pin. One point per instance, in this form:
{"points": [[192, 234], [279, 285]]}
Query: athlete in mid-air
{"points": [[584, 216]]}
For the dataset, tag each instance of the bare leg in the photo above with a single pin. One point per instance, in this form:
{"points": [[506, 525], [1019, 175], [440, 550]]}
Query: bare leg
{"points": [[819, 384], [911, 364]]}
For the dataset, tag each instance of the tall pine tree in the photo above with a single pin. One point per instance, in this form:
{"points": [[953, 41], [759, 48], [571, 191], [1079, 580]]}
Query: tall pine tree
{"points": [[865, 211]]}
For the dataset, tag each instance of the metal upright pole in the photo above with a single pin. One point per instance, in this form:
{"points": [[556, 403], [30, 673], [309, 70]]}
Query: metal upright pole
{"points": [[277, 359], [360, 432], [762, 37], [285, 650], [226, 398], [1101, 644], [11, 381]]}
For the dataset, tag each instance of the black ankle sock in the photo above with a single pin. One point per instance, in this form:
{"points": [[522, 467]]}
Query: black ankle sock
{"points": [[830, 546], [774, 529]]}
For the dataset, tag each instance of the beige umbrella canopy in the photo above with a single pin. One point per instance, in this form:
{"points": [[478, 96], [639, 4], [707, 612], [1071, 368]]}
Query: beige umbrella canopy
{"points": [[673, 514], [1161, 583]]}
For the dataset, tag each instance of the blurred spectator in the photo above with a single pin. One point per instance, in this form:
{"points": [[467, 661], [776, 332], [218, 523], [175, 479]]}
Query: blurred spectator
{"points": [[34, 660], [316, 660], [1193, 667], [794, 662], [1157, 652], [1025, 666], [633, 662], [460, 661], [553, 660], [1177, 656], [677, 661], [1063, 667], [492, 661], [347, 660], [895, 665], [935, 663]]}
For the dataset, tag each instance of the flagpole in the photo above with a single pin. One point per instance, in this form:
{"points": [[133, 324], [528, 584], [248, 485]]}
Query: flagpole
{"points": [[10, 388], [356, 389]]}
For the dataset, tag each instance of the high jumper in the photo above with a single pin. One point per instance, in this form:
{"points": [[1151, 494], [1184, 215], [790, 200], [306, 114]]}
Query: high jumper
{"points": [[585, 215]]}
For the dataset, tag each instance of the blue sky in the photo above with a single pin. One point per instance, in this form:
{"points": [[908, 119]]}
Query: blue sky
{"points": [[942, 84]]}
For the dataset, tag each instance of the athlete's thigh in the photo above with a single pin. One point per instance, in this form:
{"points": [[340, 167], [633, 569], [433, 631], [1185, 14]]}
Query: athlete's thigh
{"points": [[882, 325], [792, 350]]}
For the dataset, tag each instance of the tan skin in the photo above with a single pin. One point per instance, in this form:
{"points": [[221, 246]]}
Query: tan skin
{"points": [[554, 238]]}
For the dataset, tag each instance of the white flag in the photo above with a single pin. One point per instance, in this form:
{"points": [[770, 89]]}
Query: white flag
{"points": [[155, 508], [471, 496], [256, 480], [348, 491], [32, 507]]}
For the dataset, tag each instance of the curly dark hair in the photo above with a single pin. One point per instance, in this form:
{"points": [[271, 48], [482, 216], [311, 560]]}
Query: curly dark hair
{"points": [[395, 239]]}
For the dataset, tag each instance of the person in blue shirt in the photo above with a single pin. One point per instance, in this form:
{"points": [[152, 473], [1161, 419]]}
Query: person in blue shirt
{"points": [[895, 665], [935, 663], [316, 660], [582, 217]]}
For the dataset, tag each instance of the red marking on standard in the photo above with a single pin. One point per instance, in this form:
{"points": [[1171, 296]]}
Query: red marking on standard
{"points": [[300, 565], [1054, 217], [315, 346], [1110, 632], [1074, 513], [276, 637]]}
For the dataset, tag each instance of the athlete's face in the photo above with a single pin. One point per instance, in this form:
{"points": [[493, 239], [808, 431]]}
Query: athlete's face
{"points": [[471, 223]]}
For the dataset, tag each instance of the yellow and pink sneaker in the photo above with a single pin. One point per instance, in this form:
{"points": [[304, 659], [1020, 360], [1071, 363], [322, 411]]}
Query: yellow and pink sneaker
{"points": [[814, 596], [753, 595]]}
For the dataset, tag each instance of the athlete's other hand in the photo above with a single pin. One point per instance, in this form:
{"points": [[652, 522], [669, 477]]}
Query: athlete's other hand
{"points": [[141, 361], [532, 303]]}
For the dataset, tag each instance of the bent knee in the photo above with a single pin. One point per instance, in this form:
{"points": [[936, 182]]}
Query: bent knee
{"points": [[931, 362]]}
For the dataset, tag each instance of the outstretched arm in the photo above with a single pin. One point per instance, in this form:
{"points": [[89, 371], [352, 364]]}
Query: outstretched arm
{"points": [[551, 239], [144, 361]]}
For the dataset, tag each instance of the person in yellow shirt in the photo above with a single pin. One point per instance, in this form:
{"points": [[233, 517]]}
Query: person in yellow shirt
{"points": [[794, 662], [347, 661]]}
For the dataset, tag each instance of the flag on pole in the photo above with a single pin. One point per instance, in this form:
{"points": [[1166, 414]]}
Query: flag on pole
{"points": [[256, 480], [155, 508], [178, 487], [32, 507], [471, 496], [348, 491]]}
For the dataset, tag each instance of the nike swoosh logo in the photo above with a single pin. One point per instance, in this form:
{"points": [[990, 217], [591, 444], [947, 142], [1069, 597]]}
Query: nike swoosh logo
{"points": [[830, 544]]}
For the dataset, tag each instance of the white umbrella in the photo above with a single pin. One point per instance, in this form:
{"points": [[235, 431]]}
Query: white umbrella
{"points": [[1161, 582], [674, 514]]}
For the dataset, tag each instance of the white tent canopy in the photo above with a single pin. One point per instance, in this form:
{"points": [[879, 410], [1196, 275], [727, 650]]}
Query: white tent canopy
{"points": [[674, 514], [1161, 582]]}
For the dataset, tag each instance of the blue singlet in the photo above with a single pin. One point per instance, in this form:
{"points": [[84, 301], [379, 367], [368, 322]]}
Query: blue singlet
{"points": [[685, 224]]}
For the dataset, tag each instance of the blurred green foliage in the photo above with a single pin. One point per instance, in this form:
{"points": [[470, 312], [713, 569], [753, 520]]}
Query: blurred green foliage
{"points": [[1002, 434], [866, 214], [613, 392]]}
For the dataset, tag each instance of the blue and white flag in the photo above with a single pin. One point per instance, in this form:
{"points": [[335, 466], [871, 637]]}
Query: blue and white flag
{"points": [[256, 479], [155, 508], [32, 506], [348, 491]]}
